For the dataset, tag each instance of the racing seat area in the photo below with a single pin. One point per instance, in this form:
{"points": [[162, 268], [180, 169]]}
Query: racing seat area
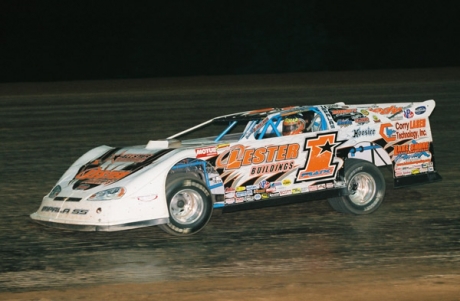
{"points": [[273, 127]]}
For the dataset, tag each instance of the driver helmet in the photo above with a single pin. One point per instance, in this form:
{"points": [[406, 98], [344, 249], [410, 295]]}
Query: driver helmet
{"points": [[293, 125]]}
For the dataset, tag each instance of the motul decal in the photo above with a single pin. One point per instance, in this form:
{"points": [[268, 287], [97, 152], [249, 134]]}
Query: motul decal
{"points": [[320, 154], [206, 152]]}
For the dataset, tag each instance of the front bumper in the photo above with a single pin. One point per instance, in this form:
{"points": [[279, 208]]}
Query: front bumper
{"points": [[91, 227]]}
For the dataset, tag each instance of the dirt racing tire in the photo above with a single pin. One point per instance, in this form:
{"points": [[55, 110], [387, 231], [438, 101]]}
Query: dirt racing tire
{"points": [[364, 191], [190, 205]]}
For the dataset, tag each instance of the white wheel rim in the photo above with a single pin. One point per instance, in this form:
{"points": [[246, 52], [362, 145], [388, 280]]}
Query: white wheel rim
{"points": [[362, 189], [186, 206]]}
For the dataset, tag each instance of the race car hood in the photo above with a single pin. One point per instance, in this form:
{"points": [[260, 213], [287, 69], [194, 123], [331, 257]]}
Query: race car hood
{"points": [[113, 165]]}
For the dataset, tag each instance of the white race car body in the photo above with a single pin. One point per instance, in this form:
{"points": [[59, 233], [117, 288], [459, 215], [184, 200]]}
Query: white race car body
{"points": [[110, 189]]}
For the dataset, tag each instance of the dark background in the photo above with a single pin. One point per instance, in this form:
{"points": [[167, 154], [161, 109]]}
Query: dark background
{"points": [[74, 40]]}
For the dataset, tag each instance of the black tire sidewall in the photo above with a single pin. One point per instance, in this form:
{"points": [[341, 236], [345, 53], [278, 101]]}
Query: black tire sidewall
{"points": [[190, 183]]}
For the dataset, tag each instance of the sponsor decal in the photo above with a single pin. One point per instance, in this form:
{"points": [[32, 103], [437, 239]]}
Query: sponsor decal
{"points": [[362, 120], [320, 154], [387, 132], [285, 192], [411, 148], [272, 168], [257, 197], [267, 159], [249, 198], [240, 188], [100, 176], [408, 113], [286, 182], [111, 167], [264, 184], [412, 157], [239, 200], [344, 122], [413, 129], [275, 184], [328, 116], [223, 145], [343, 112], [296, 190], [420, 110], [415, 155], [206, 152], [241, 194], [385, 111], [229, 193], [363, 132]]}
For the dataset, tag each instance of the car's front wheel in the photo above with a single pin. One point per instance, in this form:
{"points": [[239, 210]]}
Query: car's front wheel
{"points": [[365, 189], [190, 205]]}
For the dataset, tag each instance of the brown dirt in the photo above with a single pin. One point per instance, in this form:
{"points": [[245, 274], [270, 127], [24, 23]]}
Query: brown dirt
{"points": [[342, 286]]}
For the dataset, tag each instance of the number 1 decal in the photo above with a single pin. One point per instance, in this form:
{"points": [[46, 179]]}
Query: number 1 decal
{"points": [[320, 154]]}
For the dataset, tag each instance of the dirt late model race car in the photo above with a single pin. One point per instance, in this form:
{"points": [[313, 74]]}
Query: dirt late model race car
{"points": [[247, 160]]}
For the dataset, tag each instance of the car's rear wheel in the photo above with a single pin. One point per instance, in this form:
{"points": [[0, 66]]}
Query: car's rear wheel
{"points": [[365, 189], [190, 205]]}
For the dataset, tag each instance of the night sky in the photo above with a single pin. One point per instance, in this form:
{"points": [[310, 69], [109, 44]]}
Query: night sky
{"points": [[80, 40]]}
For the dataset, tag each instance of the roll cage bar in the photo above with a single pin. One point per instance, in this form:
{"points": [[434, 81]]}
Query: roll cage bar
{"points": [[259, 127], [260, 124]]}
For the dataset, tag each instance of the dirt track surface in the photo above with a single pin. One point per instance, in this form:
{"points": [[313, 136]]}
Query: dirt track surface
{"points": [[408, 250]]}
